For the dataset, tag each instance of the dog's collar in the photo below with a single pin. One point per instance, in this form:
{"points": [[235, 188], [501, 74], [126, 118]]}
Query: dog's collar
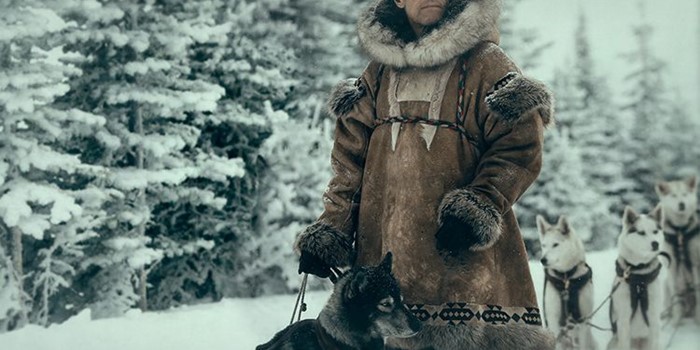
{"points": [[688, 228], [567, 274]]}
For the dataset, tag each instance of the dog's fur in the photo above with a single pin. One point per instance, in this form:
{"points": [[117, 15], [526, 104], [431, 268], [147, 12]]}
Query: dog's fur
{"points": [[680, 203], [364, 308], [477, 336], [639, 244], [563, 252]]}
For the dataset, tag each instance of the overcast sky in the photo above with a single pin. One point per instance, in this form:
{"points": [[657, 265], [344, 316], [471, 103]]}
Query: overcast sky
{"points": [[676, 39]]}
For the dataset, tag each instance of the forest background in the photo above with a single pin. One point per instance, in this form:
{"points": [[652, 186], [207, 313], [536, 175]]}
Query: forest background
{"points": [[163, 153]]}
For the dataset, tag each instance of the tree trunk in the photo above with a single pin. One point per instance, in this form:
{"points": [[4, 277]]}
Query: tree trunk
{"points": [[143, 280], [19, 271], [5, 52]]}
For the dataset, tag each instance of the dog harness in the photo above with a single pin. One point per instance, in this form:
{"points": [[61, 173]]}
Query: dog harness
{"points": [[638, 284], [679, 242], [569, 291]]}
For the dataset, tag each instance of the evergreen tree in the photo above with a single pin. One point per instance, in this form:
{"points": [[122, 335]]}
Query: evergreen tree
{"points": [[599, 133], [523, 44], [647, 110], [138, 55], [40, 175], [561, 189]]}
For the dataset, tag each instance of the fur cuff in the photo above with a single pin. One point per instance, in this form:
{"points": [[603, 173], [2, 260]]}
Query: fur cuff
{"points": [[515, 96], [470, 208], [325, 242], [344, 96]]}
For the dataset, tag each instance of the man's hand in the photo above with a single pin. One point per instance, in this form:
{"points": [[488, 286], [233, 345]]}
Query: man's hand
{"points": [[454, 236], [309, 263]]}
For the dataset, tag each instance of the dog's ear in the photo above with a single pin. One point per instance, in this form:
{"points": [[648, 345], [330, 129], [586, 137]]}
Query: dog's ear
{"points": [[542, 225], [563, 224], [629, 217], [662, 188], [692, 183], [358, 284], [385, 265], [657, 214]]}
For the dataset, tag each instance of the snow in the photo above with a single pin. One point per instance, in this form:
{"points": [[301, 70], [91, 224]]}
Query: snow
{"points": [[244, 323], [15, 209]]}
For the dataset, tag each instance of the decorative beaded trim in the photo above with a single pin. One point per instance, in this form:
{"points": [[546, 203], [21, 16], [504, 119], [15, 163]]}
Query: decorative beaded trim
{"points": [[464, 313]]}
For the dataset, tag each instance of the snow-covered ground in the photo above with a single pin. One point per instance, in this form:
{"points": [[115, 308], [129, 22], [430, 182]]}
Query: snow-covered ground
{"points": [[240, 324]]}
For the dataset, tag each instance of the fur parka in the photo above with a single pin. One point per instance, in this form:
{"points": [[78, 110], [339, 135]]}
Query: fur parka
{"points": [[436, 126]]}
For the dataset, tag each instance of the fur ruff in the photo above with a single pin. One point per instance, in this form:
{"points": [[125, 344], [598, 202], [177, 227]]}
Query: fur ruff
{"points": [[325, 242], [465, 24], [344, 96], [515, 96], [467, 206], [477, 337]]}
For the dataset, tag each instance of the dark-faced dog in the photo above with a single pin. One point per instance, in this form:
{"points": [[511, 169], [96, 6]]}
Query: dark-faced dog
{"points": [[365, 308]]}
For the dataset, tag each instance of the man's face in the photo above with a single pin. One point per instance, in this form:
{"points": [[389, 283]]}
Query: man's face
{"points": [[423, 12]]}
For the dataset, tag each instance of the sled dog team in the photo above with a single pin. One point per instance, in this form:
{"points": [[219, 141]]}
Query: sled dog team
{"points": [[667, 238], [366, 305]]}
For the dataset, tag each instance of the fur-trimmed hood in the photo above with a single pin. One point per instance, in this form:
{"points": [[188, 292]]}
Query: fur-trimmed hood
{"points": [[386, 36]]}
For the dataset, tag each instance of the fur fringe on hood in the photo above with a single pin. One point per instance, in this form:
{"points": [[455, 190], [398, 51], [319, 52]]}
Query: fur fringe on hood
{"points": [[385, 35]]}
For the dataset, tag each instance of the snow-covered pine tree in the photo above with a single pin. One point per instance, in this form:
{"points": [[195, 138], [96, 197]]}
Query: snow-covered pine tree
{"points": [[138, 56], [647, 111], [561, 189], [12, 306], [39, 175], [255, 65], [523, 44], [685, 128], [297, 153], [597, 130]]}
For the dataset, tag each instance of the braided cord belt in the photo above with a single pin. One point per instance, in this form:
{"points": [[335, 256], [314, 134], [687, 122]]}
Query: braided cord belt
{"points": [[458, 126]]}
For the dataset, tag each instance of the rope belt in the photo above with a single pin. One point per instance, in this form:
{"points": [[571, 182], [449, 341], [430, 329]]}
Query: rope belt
{"points": [[458, 125]]}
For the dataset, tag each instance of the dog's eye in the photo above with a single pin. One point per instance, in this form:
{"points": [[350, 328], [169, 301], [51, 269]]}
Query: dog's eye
{"points": [[555, 245], [386, 304]]}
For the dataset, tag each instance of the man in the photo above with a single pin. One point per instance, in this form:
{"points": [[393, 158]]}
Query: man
{"points": [[434, 143]]}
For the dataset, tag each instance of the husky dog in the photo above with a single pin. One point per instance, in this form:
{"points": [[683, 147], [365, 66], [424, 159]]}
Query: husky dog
{"points": [[365, 307], [682, 234], [635, 306], [568, 286]]}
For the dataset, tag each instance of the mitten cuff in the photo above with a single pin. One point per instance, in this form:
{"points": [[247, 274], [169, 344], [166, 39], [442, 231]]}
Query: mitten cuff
{"points": [[476, 212], [325, 242]]}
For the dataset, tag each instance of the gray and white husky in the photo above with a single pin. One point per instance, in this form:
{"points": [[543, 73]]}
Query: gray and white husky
{"points": [[365, 308], [568, 289], [636, 302], [682, 235]]}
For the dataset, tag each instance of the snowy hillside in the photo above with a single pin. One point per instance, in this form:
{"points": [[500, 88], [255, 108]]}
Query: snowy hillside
{"points": [[244, 323]]}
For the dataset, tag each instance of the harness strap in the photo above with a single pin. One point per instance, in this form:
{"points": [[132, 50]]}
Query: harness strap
{"points": [[679, 242], [569, 292], [638, 284]]}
